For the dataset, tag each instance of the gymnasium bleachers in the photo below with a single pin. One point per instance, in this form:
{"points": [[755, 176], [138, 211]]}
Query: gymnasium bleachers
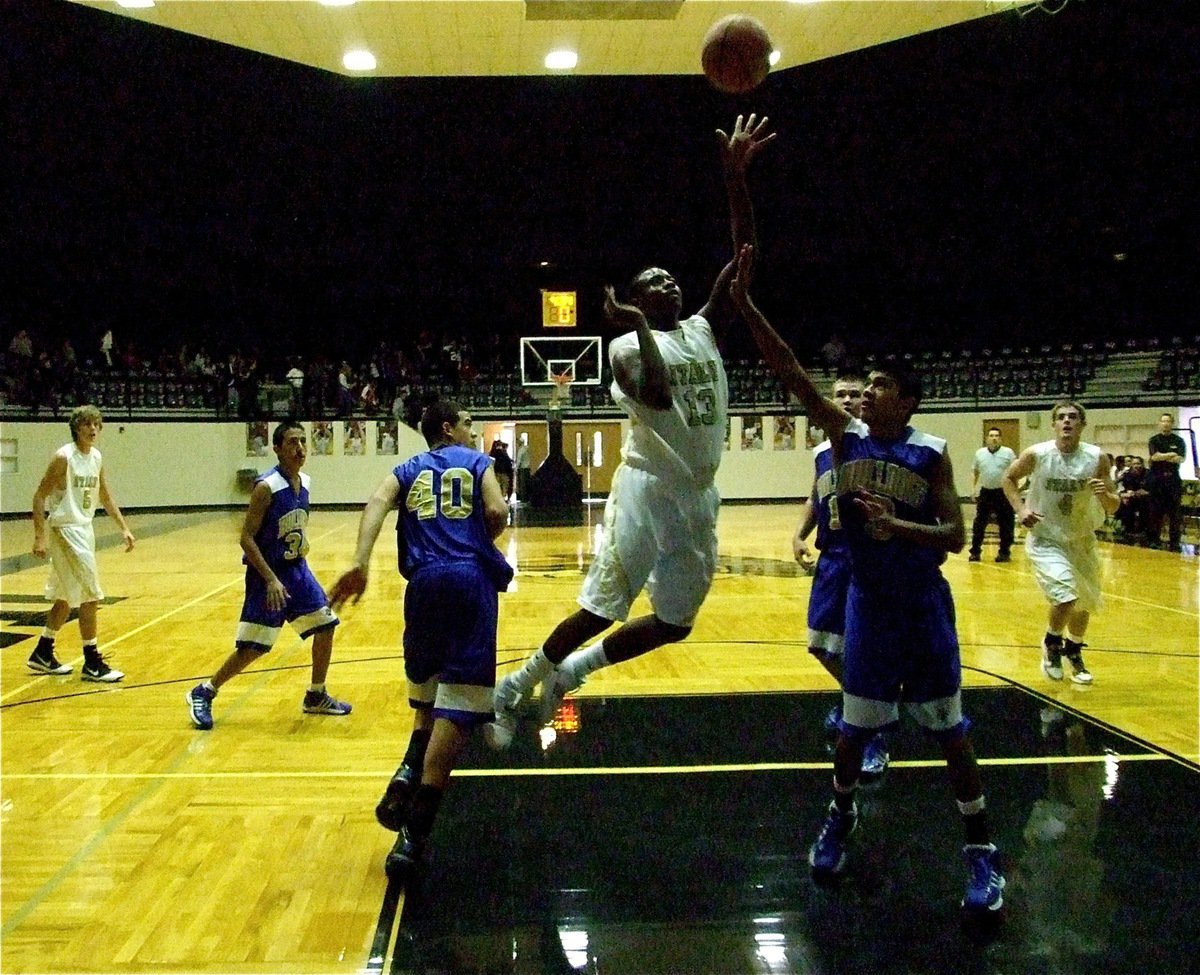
{"points": [[1107, 373]]}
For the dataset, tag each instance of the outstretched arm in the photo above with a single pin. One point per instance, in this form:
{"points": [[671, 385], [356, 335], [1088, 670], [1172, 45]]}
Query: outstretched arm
{"points": [[353, 582], [737, 150], [821, 410]]}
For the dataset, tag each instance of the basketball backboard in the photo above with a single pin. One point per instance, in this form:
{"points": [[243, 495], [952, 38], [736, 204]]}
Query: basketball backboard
{"points": [[578, 357]]}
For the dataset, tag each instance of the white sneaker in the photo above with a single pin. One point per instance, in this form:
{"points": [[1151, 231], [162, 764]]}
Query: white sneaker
{"points": [[557, 685], [505, 701]]}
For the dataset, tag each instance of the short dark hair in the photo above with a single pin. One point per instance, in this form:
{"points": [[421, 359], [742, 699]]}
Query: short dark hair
{"points": [[436, 413], [849, 375], [997, 429], [907, 381], [283, 428]]}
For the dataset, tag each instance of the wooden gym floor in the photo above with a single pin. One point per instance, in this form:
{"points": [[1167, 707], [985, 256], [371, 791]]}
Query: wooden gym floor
{"points": [[664, 830]]}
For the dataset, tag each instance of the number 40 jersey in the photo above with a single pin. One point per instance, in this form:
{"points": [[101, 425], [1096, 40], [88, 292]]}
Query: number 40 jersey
{"points": [[442, 513]]}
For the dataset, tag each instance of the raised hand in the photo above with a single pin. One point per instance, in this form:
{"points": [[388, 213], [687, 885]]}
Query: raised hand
{"points": [[746, 142], [739, 286], [621, 315]]}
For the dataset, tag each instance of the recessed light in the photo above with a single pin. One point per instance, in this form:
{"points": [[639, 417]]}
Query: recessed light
{"points": [[358, 60], [562, 60], [775, 56], [335, 3], [135, 4]]}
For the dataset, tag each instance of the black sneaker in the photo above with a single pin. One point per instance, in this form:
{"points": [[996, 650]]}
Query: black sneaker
{"points": [[1074, 653], [392, 810], [43, 661], [1052, 651], [973, 557], [404, 855], [96, 670]]}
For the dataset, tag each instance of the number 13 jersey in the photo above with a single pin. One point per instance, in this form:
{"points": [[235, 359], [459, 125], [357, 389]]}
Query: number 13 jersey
{"points": [[685, 443]]}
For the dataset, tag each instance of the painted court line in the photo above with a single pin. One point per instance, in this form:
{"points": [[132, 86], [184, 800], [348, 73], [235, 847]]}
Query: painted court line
{"points": [[131, 633], [499, 773]]}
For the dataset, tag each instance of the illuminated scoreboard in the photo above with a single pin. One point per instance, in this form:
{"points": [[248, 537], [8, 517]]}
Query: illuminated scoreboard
{"points": [[558, 309]]}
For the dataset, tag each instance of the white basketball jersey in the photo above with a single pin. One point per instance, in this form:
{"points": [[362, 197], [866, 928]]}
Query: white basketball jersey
{"points": [[75, 504], [683, 443], [1059, 492]]}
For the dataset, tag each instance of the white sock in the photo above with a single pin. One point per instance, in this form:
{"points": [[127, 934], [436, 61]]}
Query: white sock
{"points": [[49, 634], [536, 669], [316, 688], [586, 661]]}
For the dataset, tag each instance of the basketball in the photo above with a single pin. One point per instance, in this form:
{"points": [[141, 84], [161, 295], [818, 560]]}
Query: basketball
{"points": [[736, 54]]}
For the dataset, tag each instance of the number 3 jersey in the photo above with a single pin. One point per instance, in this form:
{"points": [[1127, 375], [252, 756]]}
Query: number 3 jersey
{"points": [[1059, 492], [685, 443], [442, 514], [283, 535]]}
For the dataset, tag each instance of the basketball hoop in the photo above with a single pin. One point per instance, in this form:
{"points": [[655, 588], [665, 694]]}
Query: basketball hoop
{"points": [[562, 385]]}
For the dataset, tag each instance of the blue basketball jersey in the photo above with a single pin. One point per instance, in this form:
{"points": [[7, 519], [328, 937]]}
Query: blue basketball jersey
{"points": [[283, 535], [899, 473], [827, 541], [442, 513]]}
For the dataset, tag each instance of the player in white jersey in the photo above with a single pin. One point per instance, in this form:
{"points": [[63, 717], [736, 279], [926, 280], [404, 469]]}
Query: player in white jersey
{"points": [[63, 506], [1070, 491], [660, 519]]}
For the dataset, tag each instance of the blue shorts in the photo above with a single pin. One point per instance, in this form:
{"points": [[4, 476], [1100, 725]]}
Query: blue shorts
{"points": [[450, 618], [901, 646], [307, 608], [827, 603]]}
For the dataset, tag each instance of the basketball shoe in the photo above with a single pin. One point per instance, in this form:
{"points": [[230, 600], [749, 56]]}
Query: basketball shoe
{"points": [[405, 853], [200, 700], [319, 702], [827, 856], [1052, 651], [95, 669], [985, 882], [43, 661], [1074, 653], [505, 701], [392, 810]]}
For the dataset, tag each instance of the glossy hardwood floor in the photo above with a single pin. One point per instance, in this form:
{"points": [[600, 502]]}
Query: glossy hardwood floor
{"points": [[134, 843]]}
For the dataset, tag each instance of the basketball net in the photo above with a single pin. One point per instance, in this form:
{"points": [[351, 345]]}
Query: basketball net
{"points": [[562, 383]]}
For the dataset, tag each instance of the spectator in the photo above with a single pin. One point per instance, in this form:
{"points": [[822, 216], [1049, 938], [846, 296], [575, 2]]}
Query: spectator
{"points": [[1134, 488]]}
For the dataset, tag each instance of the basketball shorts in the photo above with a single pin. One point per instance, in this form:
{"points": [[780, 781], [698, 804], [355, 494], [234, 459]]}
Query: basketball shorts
{"points": [[659, 538], [307, 608], [901, 647], [450, 619], [74, 577], [827, 603], [1066, 572]]}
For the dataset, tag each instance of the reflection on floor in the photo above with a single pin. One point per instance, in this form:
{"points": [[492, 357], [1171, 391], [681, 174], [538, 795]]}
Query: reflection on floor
{"points": [[619, 851]]}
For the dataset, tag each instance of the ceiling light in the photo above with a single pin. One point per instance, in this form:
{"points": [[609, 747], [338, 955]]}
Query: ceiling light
{"points": [[359, 60], [775, 56], [135, 4], [562, 60], [335, 3]]}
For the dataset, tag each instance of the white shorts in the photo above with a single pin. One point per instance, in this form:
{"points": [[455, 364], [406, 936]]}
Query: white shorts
{"points": [[1066, 572], [659, 537], [73, 574]]}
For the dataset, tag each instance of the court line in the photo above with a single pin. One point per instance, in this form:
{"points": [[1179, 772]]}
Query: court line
{"points": [[125, 636], [145, 626], [500, 773]]}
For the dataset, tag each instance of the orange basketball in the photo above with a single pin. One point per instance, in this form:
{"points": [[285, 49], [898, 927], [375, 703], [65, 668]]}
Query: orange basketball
{"points": [[736, 54]]}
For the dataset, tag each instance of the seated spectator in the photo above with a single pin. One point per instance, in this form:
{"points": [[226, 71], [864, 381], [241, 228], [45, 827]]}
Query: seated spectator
{"points": [[1134, 488]]}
